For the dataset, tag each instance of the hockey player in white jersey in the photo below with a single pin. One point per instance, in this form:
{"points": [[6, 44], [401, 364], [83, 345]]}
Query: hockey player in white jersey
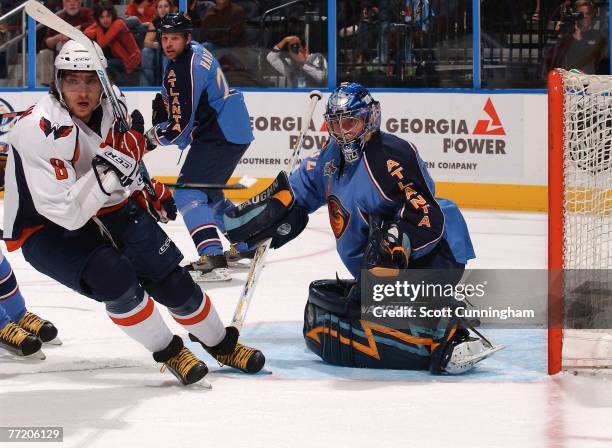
{"points": [[74, 204]]}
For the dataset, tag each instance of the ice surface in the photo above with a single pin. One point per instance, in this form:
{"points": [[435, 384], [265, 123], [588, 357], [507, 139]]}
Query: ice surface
{"points": [[106, 391]]}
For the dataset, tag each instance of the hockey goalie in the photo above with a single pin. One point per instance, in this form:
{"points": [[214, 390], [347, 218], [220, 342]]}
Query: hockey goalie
{"points": [[385, 217]]}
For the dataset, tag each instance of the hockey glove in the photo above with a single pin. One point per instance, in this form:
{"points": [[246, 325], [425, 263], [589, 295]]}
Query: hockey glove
{"points": [[120, 153], [159, 114], [163, 208], [131, 143], [137, 121], [389, 248]]}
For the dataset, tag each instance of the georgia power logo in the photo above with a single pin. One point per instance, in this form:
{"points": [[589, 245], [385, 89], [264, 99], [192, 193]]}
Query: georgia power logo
{"points": [[486, 136]]}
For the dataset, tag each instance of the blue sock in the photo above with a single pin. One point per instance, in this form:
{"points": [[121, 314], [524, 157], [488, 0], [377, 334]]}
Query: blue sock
{"points": [[199, 217], [11, 299]]}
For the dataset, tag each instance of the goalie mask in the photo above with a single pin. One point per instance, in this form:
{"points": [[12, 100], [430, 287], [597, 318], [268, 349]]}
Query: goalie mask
{"points": [[351, 116], [74, 57]]}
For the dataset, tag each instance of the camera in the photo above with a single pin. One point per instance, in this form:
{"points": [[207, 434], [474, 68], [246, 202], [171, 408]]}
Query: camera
{"points": [[568, 21], [295, 48]]}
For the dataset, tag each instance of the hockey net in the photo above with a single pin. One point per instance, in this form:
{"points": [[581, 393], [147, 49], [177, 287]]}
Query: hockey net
{"points": [[580, 221]]}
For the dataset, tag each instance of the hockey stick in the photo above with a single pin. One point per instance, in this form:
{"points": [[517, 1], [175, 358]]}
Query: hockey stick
{"points": [[243, 183], [262, 248], [48, 18]]}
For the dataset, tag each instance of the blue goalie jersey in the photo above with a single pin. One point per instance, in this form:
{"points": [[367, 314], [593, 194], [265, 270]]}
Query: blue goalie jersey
{"points": [[389, 181]]}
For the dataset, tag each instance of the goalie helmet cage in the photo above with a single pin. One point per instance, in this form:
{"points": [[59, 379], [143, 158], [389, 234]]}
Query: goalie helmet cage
{"points": [[579, 221]]}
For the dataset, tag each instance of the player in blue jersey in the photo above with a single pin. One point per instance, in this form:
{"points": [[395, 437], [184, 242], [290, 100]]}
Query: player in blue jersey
{"points": [[200, 109], [386, 219]]}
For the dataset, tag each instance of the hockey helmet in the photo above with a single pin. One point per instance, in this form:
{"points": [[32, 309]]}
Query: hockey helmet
{"points": [[75, 57], [175, 22], [350, 117]]}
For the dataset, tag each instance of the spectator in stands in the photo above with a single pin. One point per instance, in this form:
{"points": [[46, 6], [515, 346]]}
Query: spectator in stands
{"points": [[418, 16], [291, 58], [151, 53], [196, 9], [144, 10], [579, 45], [117, 42], [222, 26], [77, 16]]}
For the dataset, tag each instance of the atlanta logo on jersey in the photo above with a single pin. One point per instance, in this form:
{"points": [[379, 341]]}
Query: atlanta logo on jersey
{"points": [[57, 130], [338, 216]]}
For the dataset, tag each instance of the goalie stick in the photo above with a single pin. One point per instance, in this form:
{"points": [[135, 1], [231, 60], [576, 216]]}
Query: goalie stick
{"points": [[262, 248]]}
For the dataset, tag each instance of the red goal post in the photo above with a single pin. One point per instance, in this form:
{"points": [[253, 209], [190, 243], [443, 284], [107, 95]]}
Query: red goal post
{"points": [[579, 221]]}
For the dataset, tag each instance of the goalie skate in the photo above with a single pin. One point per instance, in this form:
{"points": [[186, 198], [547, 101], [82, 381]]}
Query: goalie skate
{"points": [[45, 330], [20, 343], [209, 268], [466, 354]]}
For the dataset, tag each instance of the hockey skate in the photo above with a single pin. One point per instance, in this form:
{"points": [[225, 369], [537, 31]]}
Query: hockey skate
{"points": [[466, 354], [44, 329], [461, 353], [20, 343], [231, 353], [240, 260], [182, 363], [210, 268]]}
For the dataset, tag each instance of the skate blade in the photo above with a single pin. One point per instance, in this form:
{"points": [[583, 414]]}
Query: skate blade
{"points": [[54, 341], [216, 275], [14, 354], [484, 355], [39, 355], [240, 264]]}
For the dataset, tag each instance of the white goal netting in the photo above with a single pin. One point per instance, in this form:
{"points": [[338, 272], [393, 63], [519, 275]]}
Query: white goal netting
{"points": [[587, 223]]}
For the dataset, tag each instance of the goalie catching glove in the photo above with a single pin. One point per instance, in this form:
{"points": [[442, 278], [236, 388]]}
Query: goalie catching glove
{"points": [[389, 248], [272, 213], [163, 208]]}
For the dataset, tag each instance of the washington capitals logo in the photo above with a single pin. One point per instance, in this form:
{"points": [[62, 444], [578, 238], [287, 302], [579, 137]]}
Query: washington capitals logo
{"points": [[339, 217], [57, 130]]}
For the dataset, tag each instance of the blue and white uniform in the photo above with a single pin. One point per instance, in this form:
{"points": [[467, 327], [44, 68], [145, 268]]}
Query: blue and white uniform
{"points": [[205, 113]]}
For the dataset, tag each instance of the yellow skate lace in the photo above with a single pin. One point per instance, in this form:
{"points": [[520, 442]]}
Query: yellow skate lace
{"points": [[182, 363], [233, 252], [13, 334], [31, 322], [238, 358]]}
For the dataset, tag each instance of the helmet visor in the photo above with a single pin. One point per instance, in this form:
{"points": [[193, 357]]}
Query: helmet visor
{"points": [[345, 129]]}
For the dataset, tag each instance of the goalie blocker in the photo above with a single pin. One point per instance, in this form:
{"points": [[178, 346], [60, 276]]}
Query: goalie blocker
{"points": [[269, 214]]}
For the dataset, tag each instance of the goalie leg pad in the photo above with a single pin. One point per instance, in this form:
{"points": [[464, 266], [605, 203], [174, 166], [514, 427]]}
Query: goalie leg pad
{"points": [[339, 339]]}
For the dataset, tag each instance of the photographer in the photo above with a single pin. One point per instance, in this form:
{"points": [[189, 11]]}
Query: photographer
{"points": [[581, 45], [292, 59]]}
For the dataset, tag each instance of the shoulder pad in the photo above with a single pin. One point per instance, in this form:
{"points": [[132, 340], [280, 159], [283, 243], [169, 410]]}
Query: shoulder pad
{"points": [[47, 128], [391, 160]]}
